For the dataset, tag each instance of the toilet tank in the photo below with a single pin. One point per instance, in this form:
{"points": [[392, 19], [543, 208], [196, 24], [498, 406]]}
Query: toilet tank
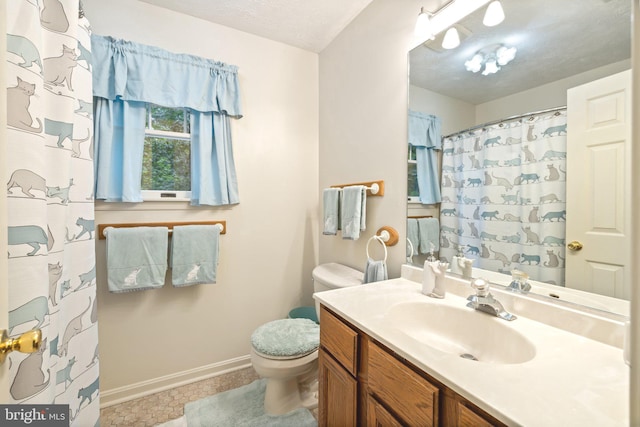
{"points": [[335, 276]]}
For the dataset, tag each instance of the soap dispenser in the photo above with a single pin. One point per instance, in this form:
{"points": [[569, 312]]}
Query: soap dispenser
{"points": [[466, 267], [433, 279], [455, 262]]}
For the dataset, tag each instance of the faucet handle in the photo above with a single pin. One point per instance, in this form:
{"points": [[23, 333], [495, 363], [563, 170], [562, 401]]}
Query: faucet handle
{"points": [[481, 286]]}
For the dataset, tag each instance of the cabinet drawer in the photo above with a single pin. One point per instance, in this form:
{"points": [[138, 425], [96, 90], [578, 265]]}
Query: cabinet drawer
{"points": [[402, 389], [339, 340]]}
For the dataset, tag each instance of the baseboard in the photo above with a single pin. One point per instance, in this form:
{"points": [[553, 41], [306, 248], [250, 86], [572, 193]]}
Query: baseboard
{"points": [[144, 388]]}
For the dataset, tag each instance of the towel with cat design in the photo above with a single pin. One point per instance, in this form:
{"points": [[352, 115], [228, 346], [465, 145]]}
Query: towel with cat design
{"points": [[194, 254], [136, 258]]}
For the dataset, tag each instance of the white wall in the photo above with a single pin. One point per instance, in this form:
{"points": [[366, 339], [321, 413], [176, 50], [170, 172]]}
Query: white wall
{"points": [[363, 121], [155, 338], [550, 95]]}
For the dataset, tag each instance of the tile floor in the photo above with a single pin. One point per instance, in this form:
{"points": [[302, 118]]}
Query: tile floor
{"points": [[168, 405]]}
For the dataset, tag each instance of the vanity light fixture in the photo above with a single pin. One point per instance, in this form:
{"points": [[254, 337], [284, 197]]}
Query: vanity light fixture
{"points": [[451, 39], [423, 30], [494, 14], [492, 59]]}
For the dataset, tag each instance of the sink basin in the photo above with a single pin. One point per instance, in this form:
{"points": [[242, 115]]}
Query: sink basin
{"points": [[463, 332]]}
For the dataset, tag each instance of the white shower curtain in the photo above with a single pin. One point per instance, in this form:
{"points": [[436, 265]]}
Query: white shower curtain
{"points": [[503, 196], [50, 206]]}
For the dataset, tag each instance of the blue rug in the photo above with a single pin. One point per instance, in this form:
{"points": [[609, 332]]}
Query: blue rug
{"points": [[243, 406]]}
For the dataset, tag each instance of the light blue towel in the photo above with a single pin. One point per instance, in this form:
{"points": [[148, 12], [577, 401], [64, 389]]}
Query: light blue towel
{"points": [[136, 258], [331, 211], [375, 271], [194, 254], [413, 236], [429, 230], [353, 211]]}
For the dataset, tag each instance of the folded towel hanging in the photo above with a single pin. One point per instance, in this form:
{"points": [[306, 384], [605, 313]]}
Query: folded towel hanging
{"points": [[194, 254], [429, 231], [413, 235], [375, 271], [331, 211], [353, 211], [136, 258]]}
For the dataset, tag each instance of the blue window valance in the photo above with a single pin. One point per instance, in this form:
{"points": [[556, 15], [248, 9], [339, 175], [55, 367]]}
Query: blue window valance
{"points": [[126, 77], [131, 71]]}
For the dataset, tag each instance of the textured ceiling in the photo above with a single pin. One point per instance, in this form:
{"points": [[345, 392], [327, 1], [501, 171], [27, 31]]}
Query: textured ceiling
{"points": [[307, 24], [555, 39]]}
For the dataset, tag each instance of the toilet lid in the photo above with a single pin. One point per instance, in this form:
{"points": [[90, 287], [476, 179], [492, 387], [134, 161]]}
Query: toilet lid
{"points": [[286, 338]]}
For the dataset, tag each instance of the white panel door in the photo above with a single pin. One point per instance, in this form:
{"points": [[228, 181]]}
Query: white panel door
{"points": [[598, 186]]}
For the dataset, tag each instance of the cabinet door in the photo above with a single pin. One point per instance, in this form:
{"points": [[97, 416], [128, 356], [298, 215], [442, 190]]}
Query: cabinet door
{"points": [[378, 416], [468, 418], [337, 404]]}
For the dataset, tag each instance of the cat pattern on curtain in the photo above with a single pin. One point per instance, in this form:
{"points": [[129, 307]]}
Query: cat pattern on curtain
{"points": [[503, 196], [51, 265]]}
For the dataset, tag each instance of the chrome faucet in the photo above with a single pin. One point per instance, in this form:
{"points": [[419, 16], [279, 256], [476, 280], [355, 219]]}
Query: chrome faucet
{"points": [[484, 301], [519, 282]]}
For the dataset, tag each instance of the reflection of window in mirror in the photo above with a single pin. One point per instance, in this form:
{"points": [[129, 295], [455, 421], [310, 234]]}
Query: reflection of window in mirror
{"points": [[413, 193]]}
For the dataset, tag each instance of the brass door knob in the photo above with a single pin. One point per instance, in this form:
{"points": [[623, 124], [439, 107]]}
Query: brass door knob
{"points": [[29, 342], [574, 246]]}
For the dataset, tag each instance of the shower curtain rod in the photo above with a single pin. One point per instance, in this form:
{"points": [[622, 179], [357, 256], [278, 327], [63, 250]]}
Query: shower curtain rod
{"points": [[495, 122]]}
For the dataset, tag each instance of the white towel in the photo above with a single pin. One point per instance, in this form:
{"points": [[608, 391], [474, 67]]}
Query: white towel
{"points": [[353, 211], [136, 258], [194, 254], [331, 211], [429, 230], [375, 271]]}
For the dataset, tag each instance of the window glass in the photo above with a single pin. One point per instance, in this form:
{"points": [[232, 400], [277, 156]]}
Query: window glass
{"points": [[413, 192], [166, 160]]}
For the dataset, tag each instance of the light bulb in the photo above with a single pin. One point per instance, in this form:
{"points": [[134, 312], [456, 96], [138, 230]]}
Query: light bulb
{"points": [[505, 54], [490, 67], [474, 64], [423, 30], [451, 39], [494, 14]]}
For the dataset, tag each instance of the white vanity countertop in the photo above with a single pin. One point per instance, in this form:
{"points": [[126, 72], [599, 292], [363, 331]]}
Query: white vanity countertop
{"points": [[572, 380]]}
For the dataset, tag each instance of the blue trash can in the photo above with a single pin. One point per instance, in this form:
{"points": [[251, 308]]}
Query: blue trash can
{"points": [[304, 313]]}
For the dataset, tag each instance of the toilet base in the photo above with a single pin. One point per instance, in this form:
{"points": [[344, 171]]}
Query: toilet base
{"points": [[291, 384], [282, 396]]}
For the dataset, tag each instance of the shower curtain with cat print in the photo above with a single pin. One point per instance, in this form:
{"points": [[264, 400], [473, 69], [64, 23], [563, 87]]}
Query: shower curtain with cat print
{"points": [[50, 201], [503, 196]]}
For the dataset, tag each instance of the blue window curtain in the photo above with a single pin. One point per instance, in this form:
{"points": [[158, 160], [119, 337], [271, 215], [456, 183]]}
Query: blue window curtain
{"points": [[126, 77], [425, 134]]}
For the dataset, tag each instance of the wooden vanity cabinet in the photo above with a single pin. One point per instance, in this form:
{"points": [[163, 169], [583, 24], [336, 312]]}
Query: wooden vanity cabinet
{"points": [[363, 383]]}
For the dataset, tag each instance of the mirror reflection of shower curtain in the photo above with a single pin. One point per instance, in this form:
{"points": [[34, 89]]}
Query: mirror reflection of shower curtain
{"points": [[503, 196]]}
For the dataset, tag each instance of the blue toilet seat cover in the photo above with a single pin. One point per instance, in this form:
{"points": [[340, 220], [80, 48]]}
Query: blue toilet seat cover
{"points": [[286, 337]]}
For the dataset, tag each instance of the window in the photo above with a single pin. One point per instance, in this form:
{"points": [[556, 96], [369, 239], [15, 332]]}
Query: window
{"points": [[413, 192], [166, 161]]}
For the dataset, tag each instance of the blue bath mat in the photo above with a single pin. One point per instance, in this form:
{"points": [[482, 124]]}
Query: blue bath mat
{"points": [[242, 407]]}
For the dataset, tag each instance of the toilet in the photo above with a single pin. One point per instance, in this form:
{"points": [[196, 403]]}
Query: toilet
{"points": [[285, 351]]}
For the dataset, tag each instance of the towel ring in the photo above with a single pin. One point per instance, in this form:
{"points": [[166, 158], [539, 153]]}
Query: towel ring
{"points": [[410, 246], [379, 239]]}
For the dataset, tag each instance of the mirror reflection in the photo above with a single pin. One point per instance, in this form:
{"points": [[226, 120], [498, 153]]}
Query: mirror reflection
{"points": [[519, 139]]}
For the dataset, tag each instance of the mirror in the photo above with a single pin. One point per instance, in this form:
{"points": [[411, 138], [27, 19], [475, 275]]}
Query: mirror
{"points": [[560, 44]]}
